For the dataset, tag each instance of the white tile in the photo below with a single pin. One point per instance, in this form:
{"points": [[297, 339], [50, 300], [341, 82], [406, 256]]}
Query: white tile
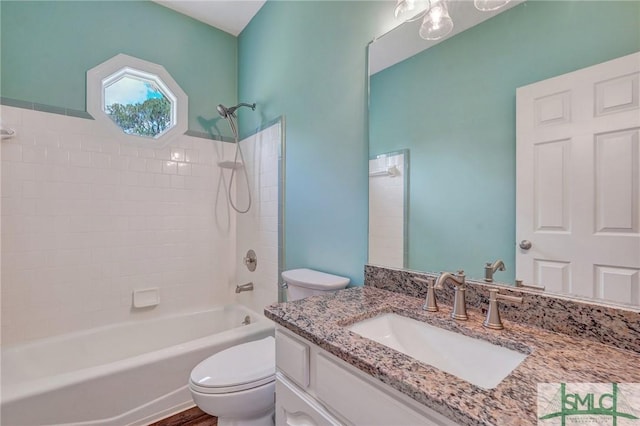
{"points": [[169, 167], [184, 169], [90, 144], [154, 166], [100, 160], [162, 181], [177, 181], [146, 179], [120, 162], [191, 156], [33, 189], [11, 152], [72, 142], [163, 153], [128, 150], [80, 158], [138, 164], [47, 139], [57, 156], [146, 152], [185, 142], [201, 170], [109, 146], [34, 154], [10, 116], [103, 192], [178, 154], [129, 178], [83, 212]]}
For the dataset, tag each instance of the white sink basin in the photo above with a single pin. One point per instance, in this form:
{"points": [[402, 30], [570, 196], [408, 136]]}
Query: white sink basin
{"points": [[476, 361]]}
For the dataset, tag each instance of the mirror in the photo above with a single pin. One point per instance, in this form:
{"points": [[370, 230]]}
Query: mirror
{"points": [[453, 106]]}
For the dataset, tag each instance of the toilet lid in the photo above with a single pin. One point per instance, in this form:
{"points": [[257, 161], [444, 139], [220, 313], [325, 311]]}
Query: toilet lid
{"points": [[316, 280], [237, 368]]}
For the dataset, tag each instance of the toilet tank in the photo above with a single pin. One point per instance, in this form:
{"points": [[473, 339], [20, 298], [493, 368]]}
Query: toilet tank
{"points": [[305, 282]]}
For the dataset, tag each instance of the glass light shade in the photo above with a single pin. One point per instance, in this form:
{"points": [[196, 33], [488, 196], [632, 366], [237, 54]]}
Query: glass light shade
{"points": [[489, 5], [437, 23], [410, 10]]}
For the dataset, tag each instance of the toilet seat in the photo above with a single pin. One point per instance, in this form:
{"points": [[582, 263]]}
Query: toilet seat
{"points": [[316, 280], [245, 366]]}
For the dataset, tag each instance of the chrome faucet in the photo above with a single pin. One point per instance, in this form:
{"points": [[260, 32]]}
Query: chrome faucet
{"points": [[491, 268], [459, 302], [493, 314]]}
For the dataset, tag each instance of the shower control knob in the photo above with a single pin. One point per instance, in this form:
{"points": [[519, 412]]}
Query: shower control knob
{"points": [[251, 260], [525, 244]]}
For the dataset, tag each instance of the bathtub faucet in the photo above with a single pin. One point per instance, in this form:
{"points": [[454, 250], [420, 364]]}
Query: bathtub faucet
{"points": [[244, 287]]}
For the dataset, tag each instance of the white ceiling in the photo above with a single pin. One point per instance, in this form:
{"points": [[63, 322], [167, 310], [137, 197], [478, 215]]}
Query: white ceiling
{"points": [[228, 15]]}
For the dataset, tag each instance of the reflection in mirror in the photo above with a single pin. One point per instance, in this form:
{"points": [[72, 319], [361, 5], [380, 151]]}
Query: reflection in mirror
{"points": [[388, 206], [453, 107]]}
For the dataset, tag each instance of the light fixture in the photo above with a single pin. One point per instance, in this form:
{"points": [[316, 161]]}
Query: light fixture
{"points": [[489, 5], [436, 22], [410, 10]]}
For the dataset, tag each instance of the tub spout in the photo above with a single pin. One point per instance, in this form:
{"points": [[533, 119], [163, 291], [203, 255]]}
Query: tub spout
{"points": [[244, 287]]}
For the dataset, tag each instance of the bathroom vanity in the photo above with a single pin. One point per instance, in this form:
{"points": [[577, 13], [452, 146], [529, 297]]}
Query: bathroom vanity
{"points": [[328, 374], [315, 387]]}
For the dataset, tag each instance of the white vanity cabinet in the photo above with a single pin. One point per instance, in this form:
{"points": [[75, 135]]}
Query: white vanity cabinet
{"points": [[313, 387]]}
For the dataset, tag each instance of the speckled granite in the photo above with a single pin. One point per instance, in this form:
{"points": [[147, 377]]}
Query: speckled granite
{"points": [[553, 357], [613, 326]]}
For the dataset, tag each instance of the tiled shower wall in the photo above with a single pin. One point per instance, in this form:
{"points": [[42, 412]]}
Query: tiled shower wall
{"points": [[87, 219], [258, 228], [386, 211]]}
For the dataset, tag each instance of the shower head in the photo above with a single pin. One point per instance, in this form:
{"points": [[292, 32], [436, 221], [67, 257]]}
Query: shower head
{"points": [[222, 110], [227, 112]]}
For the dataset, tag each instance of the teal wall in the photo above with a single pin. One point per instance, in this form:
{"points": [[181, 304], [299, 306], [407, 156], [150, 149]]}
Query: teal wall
{"points": [[453, 106], [48, 46], [307, 61]]}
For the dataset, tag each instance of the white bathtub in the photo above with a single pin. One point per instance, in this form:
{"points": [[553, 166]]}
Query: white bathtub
{"points": [[131, 373]]}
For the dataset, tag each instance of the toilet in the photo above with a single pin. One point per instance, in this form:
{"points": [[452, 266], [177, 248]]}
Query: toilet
{"points": [[237, 385], [305, 282]]}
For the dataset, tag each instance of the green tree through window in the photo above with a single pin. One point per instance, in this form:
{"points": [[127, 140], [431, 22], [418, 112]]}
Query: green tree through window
{"points": [[149, 118]]}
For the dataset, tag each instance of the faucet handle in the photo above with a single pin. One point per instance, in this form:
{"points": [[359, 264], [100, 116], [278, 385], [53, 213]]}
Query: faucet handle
{"points": [[493, 319], [430, 304]]}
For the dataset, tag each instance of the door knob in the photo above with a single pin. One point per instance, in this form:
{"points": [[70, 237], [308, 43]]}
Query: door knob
{"points": [[525, 244]]}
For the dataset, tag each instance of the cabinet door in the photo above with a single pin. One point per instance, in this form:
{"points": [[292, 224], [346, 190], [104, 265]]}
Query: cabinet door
{"points": [[296, 408], [361, 403]]}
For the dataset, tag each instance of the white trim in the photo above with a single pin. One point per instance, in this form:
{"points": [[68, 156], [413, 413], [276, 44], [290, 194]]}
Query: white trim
{"points": [[121, 64]]}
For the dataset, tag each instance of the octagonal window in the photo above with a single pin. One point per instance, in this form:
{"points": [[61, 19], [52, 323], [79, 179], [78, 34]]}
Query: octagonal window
{"points": [[136, 98], [138, 105]]}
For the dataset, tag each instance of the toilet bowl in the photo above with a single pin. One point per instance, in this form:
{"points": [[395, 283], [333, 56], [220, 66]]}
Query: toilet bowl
{"points": [[238, 384]]}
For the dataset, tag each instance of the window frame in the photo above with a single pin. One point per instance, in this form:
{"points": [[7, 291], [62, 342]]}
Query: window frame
{"points": [[116, 68]]}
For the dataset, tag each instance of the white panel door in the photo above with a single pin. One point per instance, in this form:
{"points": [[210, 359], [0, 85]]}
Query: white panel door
{"points": [[578, 182]]}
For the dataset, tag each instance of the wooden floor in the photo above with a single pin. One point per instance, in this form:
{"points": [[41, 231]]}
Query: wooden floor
{"points": [[191, 417]]}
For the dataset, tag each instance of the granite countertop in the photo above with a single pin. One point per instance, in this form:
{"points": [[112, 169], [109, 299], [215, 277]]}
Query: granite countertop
{"points": [[553, 357]]}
